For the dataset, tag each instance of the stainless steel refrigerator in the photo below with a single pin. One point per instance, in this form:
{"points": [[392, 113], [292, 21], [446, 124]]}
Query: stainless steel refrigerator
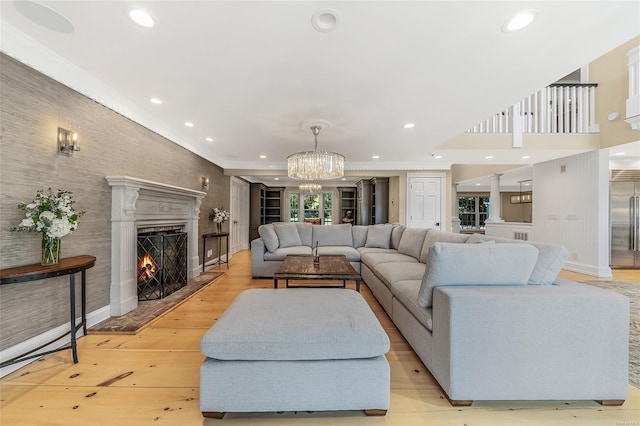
{"points": [[625, 224]]}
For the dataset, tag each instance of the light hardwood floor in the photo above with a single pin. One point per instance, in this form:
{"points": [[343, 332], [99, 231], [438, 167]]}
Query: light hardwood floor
{"points": [[152, 379]]}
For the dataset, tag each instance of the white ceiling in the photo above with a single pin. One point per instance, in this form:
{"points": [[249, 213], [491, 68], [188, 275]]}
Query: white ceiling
{"points": [[247, 74]]}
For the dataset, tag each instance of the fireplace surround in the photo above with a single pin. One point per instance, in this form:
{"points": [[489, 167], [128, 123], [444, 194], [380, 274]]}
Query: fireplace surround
{"points": [[138, 203]]}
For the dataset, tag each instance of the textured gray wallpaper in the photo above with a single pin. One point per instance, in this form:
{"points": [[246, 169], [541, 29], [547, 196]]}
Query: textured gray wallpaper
{"points": [[32, 107]]}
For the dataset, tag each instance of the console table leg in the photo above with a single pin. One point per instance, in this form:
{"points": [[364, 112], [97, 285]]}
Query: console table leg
{"points": [[72, 301], [84, 303]]}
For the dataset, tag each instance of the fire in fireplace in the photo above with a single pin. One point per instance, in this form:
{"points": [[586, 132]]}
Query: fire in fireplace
{"points": [[162, 262]]}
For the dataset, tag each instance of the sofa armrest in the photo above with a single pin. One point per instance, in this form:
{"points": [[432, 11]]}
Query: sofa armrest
{"points": [[564, 341], [257, 256]]}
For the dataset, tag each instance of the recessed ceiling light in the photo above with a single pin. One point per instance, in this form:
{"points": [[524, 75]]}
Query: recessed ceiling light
{"points": [[343, 179], [409, 126], [155, 101], [325, 20], [141, 18], [477, 184], [375, 157], [520, 21], [209, 139], [276, 178], [437, 157], [525, 157], [263, 156], [188, 124], [488, 157], [620, 153]]}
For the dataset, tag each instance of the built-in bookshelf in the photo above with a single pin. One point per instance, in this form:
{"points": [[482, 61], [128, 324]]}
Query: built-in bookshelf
{"points": [[265, 207], [348, 198]]}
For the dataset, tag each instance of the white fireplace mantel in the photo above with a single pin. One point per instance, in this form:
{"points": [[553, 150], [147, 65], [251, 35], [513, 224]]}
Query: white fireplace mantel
{"points": [[137, 203]]}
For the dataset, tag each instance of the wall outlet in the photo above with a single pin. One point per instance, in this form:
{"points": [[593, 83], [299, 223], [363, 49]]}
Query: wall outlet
{"points": [[209, 253], [574, 256]]}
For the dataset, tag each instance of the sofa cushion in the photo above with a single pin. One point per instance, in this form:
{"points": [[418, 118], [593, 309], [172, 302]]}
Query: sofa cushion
{"points": [[476, 265], [359, 233], [288, 235], [435, 235], [269, 236], [551, 258], [350, 253], [411, 241], [392, 272], [332, 235], [305, 230], [407, 293], [281, 253], [365, 250], [374, 258], [396, 235], [379, 236]]}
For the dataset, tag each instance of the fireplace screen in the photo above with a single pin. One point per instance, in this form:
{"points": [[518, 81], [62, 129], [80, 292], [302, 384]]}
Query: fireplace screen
{"points": [[162, 264]]}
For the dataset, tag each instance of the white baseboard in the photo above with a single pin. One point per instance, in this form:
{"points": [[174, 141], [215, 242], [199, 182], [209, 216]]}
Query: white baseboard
{"points": [[93, 318], [583, 268]]}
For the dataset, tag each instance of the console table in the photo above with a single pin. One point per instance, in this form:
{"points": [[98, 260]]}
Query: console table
{"points": [[218, 236], [68, 266]]}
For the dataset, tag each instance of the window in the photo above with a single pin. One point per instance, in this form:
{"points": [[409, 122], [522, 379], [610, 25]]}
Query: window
{"points": [[472, 211], [316, 208]]}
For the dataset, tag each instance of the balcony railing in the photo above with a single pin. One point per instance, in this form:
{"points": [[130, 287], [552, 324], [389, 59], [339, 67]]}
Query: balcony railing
{"points": [[558, 108]]}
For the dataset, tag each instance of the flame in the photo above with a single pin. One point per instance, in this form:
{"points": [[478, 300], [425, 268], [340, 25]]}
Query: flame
{"points": [[147, 268]]}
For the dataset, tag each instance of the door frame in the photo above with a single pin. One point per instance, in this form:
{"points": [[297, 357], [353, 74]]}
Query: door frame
{"points": [[241, 216], [443, 196]]}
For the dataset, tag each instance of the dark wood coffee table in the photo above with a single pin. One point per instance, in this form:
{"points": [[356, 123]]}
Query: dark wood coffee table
{"points": [[301, 267]]}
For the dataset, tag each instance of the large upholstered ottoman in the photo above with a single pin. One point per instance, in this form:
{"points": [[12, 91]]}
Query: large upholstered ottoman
{"points": [[295, 350]]}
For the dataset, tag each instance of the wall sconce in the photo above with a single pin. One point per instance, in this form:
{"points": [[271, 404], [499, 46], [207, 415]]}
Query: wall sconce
{"points": [[205, 183], [67, 141]]}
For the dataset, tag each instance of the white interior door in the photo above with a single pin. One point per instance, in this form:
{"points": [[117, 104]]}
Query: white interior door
{"points": [[239, 228], [424, 199]]}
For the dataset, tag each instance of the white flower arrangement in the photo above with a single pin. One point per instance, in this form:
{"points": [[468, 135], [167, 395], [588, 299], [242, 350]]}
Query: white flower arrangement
{"points": [[51, 214], [219, 215]]}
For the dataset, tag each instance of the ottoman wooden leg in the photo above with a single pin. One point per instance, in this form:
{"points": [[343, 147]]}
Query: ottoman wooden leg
{"points": [[375, 412], [213, 414], [611, 402]]}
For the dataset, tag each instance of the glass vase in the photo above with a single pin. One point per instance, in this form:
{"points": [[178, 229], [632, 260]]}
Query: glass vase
{"points": [[50, 250], [219, 227]]}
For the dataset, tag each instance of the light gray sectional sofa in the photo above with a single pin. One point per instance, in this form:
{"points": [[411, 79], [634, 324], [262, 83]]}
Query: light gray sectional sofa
{"points": [[487, 316]]}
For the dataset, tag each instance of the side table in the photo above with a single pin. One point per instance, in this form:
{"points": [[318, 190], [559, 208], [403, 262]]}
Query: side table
{"points": [[68, 266], [218, 236]]}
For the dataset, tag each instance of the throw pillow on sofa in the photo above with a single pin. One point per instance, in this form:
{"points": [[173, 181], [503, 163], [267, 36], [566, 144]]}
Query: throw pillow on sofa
{"points": [[288, 235], [379, 236], [269, 237], [476, 265], [437, 236], [359, 234], [333, 235], [551, 258], [396, 235], [411, 242]]}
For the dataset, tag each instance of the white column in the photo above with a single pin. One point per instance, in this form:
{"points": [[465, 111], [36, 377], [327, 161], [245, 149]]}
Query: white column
{"points": [[495, 207], [633, 101], [123, 290], [455, 220]]}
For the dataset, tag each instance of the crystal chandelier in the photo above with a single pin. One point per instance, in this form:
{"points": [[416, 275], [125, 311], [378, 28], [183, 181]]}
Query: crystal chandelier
{"points": [[310, 187], [315, 165]]}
